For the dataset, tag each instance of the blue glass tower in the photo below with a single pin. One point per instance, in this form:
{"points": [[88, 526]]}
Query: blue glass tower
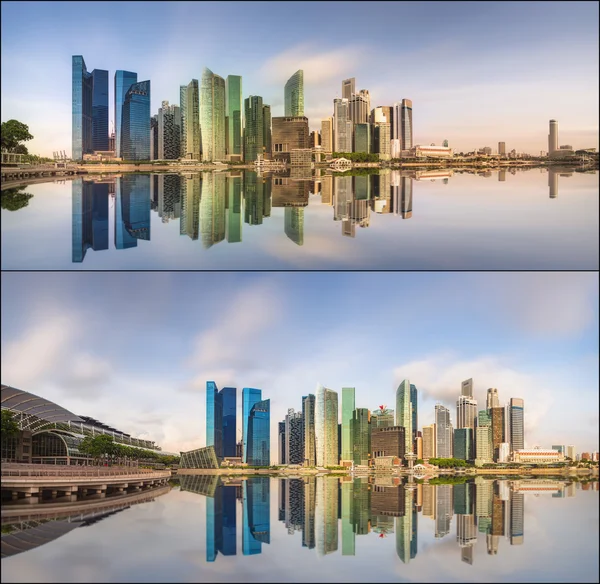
{"points": [[229, 420], [89, 218], [221, 523], [135, 134], [99, 109], [214, 418], [259, 434], [135, 202], [123, 239], [82, 109], [123, 81], [250, 396], [256, 515]]}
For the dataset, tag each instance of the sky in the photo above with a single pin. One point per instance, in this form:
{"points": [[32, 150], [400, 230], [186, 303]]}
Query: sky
{"points": [[477, 73], [135, 350]]}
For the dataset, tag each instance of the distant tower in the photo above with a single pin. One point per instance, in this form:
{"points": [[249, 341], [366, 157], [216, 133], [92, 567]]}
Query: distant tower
{"points": [[445, 143], [294, 95], [348, 88], [553, 137], [492, 398]]}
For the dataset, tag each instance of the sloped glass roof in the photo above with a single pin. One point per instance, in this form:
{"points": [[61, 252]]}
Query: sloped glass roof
{"points": [[28, 403]]}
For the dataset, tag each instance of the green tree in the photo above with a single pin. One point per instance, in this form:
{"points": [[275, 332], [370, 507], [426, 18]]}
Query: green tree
{"points": [[20, 149], [14, 199], [13, 133], [9, 428]]}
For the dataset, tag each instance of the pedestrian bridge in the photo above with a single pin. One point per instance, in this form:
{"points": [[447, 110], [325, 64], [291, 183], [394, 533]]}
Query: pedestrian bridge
{"points": [[12, 173]]}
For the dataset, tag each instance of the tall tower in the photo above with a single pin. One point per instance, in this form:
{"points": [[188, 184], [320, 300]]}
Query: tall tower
{"points": [[308, 411], [212, 116], [123, 81], [342, 138], [406, 124], [326, 426], [348, 88], [404, 415], [492, 398], [250, 396], [294, 95], [235, 127], [553, 137], [444, 432], [517, 435], [348, 406], [254, 133]]}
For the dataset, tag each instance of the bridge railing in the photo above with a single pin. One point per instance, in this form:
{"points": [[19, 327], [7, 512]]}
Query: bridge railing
{"points": [[81, 472]]}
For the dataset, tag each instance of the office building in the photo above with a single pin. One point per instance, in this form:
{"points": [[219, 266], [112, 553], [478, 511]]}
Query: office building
{"points": [[466, 388], [429, 442], [466, 412], [498, 430], [212, 116], [235, 122], [342, 126], [308, 413], [388, 441], [348, 86], [415, 417], [123, 81], [517, 427], [553, 138], [221, 419], [444, 432], [381, 140], [100, 110], [294, 437], [463, 443], [503, 452], [326, 427], [502, 148], [314, 139], [259, 435], [383, 417], [294, 95], [190, 121], [361, 436], [348, 407], [254, 131], [267, 133], [289, 133], [484, 452], [359, 106], [492, 399], [250, 397], [83, 108], [327, 134], [362, 138], [169, 132], [281, 449], [135, 121], [406, 126], [570, 453], [154, 137], [404, 413]]}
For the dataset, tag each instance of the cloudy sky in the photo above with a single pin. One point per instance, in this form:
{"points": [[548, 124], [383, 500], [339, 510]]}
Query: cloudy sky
{"points": [[477, 73], [135, 349]]}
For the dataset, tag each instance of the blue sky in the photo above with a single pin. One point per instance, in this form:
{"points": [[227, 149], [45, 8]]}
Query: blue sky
{"points": [[477, 73], [135, 349]]}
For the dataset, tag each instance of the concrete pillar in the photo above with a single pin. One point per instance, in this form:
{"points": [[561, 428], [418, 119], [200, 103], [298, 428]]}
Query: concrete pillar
{"points": [[53, 494]]}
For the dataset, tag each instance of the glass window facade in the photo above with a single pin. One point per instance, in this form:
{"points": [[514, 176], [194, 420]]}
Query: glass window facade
{"points": [[123, 81], [254, 132], [362, 138], [256, 515], [259, 434], [516, 424], [326, 427], [361, 436], [348, 405], [214, 418], [135, 205], [212, 116], [404, 415], [250, 396], [406, 125], [136, 122], [100, 109], [234, 113], [89, 217], [308, 412], [82, 88], [463, 444], [294, 94], [200, 458]]}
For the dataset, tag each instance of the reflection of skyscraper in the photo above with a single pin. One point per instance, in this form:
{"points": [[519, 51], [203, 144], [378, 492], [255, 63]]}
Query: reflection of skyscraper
{"points": [[342, 197], [348, 405], [190, 205], [326, 426], [234, 209], [294, 95], [443, 510], [212, 209], [552, 183], [308, 528], [89, 217], [135, 203], [169, 196], [294, 224], [406, 528], [517, 512], [308, 412], [348, 536], [212, 116], [326, 516], [256, 515], [254, 199], [221, 523]]}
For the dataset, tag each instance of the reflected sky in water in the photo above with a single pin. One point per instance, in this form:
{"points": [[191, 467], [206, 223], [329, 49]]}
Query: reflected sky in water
{"points": [[272, 530], [435, 219]]}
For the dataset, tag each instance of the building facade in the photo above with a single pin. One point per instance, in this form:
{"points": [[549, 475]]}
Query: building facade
{"points": [[362, 138], [342, 126], [259, 434], [348, 407], [294, 95], [308, 412], [82, 90], [135, 135], [289, 133], [254, 131], [404, 414], [294, 437], [388, 441], [212, 116], [463, 443], [327, 134], [444, 432], [429, 442], [517, 424], [169, 132], [406, 126], [235, 121], [492, 398], [326, 427], [123, 81], [190, 121], [100, 110], [498, 430], [361, 436]]}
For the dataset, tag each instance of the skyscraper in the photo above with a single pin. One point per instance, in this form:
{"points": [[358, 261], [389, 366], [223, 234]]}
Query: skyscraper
{"points": [[348, 88], [444, 432], [483, 438], [308, 411], [234, 114], [190, 121], [498, 430], [359, 106], [492, 399], [99, 109], [362, 138], [466, 388], [429, 442], [212, 116], [169, 132], [294, 437], [294, 95], [502, 148], [553, 137], [293, 225], [254, 131], [267, 131], [415, 417], [250, 397], [407, 124], [289, 133], [348, 406], [259, 434], [463, 443], [361, 435], [82, 86], [123, 81], [342, 126], [221, 419], [404, 413], [517, 441], [327, 134], [135, 133], [466, 412], [326, 427], [281, 442]]}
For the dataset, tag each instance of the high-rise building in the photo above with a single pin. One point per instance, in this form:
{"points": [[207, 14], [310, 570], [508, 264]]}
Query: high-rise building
{"points": [[384, 417], [502, 148], [553, 137], [407, 124], [466, 412], [190, 121], [404, 413], [381, 140], [221, 419], [342, 126], [235, 124], [517, 441], [308, 411], [259, 434], [123, 81], [396, 129], [414, 398], [294, 95], [326, 426], [169, 132], [82, 142], [444, 432], [267, 134], [135, 131], [361, 436], [348, 407], [348, 86], [314, 139], [484, 452], [466, 388], [154, 137], [250, 397], [498, 414], [570, 452], [362, 138], [289, 133], [294, 437], [463, 443], [327, 134], [100, 109], [281, 442], [388, 441], [254, 131], [293, 224], [212, 116], [359, 106], [492, 399], [429, 442]]}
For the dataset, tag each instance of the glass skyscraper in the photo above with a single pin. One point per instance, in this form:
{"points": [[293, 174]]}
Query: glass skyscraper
{"points": [[293, 224], [294, 95], [235, 126], [444, 432], [212, 116], [190, 120], [407, 124], [348, 406], [308, 411], [123, 81], [135, 205], [361, 436], [362, 138], [250, 397], [415, 418], [99, 109], [135, 136], [517, 441], [221, 419], [254, 131], [259, 434], [404, 413], [326, 427], [82, 85]]}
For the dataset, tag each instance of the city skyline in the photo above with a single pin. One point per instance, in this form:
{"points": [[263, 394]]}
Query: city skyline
{"points": [[510, 98], [526, 342]]}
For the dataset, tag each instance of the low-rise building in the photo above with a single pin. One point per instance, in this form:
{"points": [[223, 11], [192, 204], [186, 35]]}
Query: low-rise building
{"points": [[436, 151], [538, 456]]}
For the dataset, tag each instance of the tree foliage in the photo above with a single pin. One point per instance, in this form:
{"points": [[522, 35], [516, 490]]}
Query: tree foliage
{"points": [[357, 156], [9, 427], [14, 199], [12, 134], [447, 462], [103, 446]]}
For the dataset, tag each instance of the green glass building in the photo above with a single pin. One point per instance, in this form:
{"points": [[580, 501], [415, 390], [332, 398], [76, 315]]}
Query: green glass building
{"points": [[463, 444], [212, 116], [348, 406], [190, 120], [348, 535], [254, 131], [234, 209], [234, 114], [362, 138], [404, 415], [361, 436], [294, 95], [294, 224], [267, 130]]}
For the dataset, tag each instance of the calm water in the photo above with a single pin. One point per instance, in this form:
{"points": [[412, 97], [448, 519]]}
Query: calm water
{"points": [[525, 220], [274, 530]]}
